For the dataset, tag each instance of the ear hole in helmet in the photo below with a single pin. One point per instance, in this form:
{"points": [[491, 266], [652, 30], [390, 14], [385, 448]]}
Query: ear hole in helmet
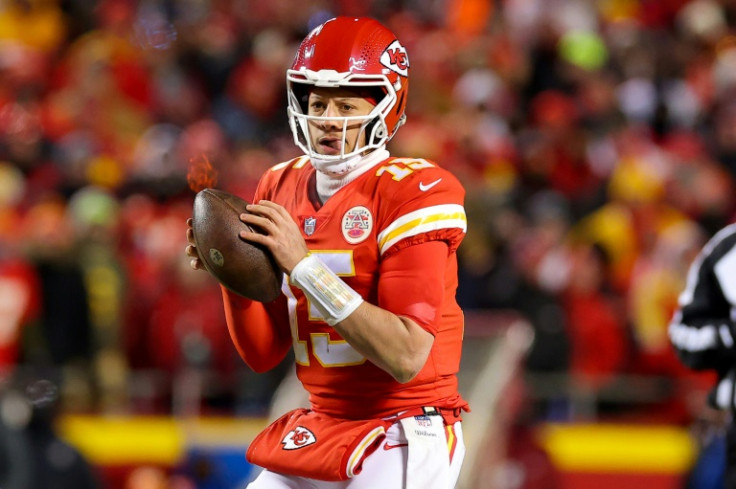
{"points": [[380, 131], [374, 95]]}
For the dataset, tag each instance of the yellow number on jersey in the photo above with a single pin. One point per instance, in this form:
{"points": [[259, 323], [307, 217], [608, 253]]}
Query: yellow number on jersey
{"points": [[329, 353], [401, 168]]}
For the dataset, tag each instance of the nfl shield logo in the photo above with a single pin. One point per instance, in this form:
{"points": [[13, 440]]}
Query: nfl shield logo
{"points": [[309, 224]]}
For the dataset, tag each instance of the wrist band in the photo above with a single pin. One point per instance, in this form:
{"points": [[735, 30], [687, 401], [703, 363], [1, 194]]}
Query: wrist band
{"points": [[335, 299]]}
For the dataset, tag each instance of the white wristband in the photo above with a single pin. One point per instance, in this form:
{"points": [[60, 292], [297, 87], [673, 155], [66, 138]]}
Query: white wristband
{"points": [[335, 299]]}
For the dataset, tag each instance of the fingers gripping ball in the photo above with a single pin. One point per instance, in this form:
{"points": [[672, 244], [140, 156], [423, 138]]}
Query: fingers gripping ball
{"points": [[245, 268]]}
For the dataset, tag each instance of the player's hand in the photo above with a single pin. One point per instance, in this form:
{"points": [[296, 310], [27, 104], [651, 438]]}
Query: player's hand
{"points": [[191, 249], [281, 235]]}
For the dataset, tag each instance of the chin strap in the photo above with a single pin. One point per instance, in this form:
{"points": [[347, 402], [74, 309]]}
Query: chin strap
{"points": [[337, 168], [334, 175]]}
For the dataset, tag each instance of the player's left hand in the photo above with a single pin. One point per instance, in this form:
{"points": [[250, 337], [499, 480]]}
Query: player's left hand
{"points": [[191, 249], [281, 235]]}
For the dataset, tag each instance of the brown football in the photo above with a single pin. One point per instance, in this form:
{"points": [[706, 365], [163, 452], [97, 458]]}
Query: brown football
{"points": [[245, 268]]}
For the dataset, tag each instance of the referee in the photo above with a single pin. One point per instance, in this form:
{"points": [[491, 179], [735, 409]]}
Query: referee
{"points": [[703, 328]]}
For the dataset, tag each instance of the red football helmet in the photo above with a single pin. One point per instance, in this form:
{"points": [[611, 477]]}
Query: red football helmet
{"points": [[355, 53]]}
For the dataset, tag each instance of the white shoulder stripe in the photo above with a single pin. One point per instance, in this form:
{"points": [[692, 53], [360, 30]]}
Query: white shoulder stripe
{"points": [[445, 216]]}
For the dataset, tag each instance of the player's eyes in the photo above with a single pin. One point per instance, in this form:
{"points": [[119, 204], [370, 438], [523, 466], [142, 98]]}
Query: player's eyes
{"points": [[318, 107]]}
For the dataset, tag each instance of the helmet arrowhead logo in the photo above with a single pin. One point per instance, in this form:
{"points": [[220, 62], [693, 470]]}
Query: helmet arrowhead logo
{"points": [[395, 58]]}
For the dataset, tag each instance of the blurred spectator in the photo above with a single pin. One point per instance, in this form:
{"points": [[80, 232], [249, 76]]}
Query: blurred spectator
{"points": [[64, 336], [20, 295], [19, 306], [94, 215], [35, 456], [657, 280], [520, 264], [595, 319]]}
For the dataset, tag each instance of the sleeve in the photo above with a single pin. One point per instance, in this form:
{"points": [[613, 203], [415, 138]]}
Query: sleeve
{"points": [[264, 188], [260, 332], [411, 283], [702, 329], [427, 205]]}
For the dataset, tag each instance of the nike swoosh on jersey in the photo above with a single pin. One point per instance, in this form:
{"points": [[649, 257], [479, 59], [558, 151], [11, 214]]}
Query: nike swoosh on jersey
{"points": [[388, 446], [424, 188]]}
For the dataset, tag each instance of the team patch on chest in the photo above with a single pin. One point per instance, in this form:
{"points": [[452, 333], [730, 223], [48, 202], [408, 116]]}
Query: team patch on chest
{"points": [[357, 224]]}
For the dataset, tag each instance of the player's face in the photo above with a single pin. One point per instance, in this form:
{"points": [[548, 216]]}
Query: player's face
{"points": [[327, 135]]}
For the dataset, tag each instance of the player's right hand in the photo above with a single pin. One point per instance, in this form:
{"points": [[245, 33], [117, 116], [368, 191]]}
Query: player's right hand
{"points": [[191, 249], [280, 233]]}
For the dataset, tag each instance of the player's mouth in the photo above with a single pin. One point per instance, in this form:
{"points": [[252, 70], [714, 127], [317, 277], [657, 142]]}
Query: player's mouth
{"points": [[330, 145]]}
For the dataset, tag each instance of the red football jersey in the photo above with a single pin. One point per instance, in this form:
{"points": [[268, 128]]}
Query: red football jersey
{"points": [[397, 203]]}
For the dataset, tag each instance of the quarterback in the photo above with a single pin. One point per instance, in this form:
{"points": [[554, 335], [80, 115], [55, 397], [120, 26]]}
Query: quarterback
{"points": [[367, 243]]}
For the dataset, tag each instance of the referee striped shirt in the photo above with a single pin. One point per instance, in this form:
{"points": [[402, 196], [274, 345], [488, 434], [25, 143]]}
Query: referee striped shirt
{"points": [[702, 330]]}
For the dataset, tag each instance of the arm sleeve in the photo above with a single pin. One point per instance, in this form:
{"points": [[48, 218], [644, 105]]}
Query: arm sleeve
{"points": [[411, 282], [702, 329], [260, 332]]}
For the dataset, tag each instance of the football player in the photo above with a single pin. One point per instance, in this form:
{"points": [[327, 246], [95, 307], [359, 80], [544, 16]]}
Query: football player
{"points": [[367, 242]]}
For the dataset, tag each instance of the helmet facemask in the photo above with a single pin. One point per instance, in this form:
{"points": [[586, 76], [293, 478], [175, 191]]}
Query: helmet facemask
{"points": [[372, 125]]}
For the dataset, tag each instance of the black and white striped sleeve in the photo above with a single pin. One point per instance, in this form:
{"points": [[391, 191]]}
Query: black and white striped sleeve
{"points": [[702, 329]]}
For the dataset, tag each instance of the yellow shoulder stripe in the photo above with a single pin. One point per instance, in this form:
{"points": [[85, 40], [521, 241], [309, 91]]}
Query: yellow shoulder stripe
{"points": [[445, 216]]}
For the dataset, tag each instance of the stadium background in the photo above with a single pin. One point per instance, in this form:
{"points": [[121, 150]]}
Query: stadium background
{"points": [[597, 143]]}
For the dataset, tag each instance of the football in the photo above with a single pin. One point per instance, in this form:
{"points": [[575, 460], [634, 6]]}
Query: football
{"points": [[245, 268]]}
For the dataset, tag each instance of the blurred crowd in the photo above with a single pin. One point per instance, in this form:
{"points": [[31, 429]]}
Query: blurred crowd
{"points": [[596, 141]]}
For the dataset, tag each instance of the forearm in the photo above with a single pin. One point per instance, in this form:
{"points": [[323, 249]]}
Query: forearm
{"points": [[396, 344], [259, 341]]}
